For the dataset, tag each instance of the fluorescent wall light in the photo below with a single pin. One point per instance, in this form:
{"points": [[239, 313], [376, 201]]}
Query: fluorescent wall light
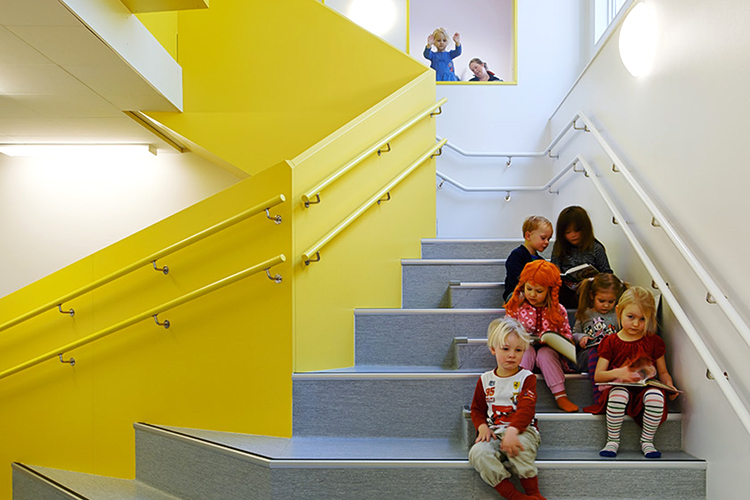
{"points": [[77, 150], [638, 40]]}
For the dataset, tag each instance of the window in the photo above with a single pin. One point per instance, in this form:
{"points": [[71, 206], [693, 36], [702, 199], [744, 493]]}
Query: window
{"points": [[605, 12]]}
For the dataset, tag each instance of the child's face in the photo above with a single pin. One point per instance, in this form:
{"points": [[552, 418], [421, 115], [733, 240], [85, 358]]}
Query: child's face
{"points": [[441, 42], [633, 322], [538, 239], [509, 355], [573, 236], [604, 301], [535, 295]]}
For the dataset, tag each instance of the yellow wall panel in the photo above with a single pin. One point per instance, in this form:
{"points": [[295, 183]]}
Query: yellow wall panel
{"points": [[266, 80], [225, 360], [361, 267]]}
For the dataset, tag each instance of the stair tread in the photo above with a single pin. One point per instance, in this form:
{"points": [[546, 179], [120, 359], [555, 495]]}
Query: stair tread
{"points": [[93, 486], [365, 449], [409, 369]]}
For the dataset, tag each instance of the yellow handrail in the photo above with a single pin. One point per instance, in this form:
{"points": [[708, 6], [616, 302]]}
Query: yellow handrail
{"points": [[313, 250], [271, 202], [315, 192], [147, 314]]}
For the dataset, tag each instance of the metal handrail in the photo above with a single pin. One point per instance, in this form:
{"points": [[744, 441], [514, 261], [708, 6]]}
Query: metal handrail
{"points": [[507, 189], [662, 221], [732, 397], [307, 198], [151, 313], [263, 207], [510, 156], [314, 250]]}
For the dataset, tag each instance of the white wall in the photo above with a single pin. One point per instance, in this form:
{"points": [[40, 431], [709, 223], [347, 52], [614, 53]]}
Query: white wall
{"points": [[682, 130], [55, 212], [504, 118]]}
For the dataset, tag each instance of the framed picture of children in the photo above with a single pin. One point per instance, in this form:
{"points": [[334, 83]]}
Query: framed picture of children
{"points": [[465, 41]]}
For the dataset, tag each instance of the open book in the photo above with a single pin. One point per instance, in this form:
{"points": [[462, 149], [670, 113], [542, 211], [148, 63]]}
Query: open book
{"points": [[652, 382], [646, 371], [579, 273], [560, 344]]}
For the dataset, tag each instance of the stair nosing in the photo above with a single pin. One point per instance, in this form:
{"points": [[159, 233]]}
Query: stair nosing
{"points": [[450, 262], [32, 472]]}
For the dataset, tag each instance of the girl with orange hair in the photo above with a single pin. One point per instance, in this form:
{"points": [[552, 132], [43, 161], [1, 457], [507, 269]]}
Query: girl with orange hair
{"points": [[535, 304]]}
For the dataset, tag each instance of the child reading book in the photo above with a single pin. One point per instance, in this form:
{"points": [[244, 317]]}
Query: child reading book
{"points": [[503, 412], [595, 319], [576, 245], [622, 358], [534, 303]]}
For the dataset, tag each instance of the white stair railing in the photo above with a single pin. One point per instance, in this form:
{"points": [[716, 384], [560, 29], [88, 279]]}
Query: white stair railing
{"points": [[714, 293]]}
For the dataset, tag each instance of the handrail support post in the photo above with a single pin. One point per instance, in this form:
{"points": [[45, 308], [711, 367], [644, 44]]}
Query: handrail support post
{"points": [[71, 361]]}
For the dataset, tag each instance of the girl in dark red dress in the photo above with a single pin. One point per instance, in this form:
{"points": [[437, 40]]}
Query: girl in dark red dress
{"points": [[625, 357]]}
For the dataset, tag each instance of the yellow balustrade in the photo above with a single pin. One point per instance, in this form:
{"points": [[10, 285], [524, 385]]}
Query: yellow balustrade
{"points": [[314, 250], [200, 292], [307, 198], [262, 207]]}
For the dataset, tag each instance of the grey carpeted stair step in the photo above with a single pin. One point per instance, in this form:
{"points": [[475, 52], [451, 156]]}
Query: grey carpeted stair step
{"points": [[481, 248], [43, 483], [392, 401], [225, 465], [421, 337], [425, 281], [475, 295], [587, 433]]}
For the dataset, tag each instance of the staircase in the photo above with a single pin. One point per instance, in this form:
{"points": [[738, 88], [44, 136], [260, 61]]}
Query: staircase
{"points": [[396, 425]]}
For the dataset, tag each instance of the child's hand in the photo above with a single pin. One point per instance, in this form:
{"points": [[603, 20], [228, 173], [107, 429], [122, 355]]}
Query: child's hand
{"points": [[484, 434], [584, 340], [626, 375], [430, 40], [510, 444], [457, 38], [667, 379]]}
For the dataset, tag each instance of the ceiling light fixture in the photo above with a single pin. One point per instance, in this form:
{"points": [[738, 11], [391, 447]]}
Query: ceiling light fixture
{"points": [[77, 150]]}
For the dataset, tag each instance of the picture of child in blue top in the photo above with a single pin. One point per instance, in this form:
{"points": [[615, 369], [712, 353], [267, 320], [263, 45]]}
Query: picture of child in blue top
{"points": [[442, 61]]}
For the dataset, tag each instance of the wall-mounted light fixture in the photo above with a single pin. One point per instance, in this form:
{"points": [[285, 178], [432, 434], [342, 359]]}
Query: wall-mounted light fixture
{"points": [[77, 150], [376, 16], [638, 40]]}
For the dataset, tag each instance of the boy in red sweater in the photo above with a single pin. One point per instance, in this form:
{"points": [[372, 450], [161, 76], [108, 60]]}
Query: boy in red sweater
{"points": [[503, 412]]}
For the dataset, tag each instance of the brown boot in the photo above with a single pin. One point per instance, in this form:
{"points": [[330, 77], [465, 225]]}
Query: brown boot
{"points": [[531, 487], [506, 489]]}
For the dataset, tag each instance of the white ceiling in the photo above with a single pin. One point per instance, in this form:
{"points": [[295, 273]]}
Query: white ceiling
{"points": [[61, 82]]}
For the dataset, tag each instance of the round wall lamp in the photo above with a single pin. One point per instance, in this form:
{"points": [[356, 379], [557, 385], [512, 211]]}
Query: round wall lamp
{"points": [[376, 16], [638, 40]]}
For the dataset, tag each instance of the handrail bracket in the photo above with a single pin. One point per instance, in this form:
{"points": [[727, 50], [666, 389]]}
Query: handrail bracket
{"points": [[310, 202], [387, 198], [309, 260], [381, 150], [164, 269], [438, 112], [276, 278], [70, 312], [165, 323], [71, 361], [439, 152], [585, 127], [276, 218]]}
